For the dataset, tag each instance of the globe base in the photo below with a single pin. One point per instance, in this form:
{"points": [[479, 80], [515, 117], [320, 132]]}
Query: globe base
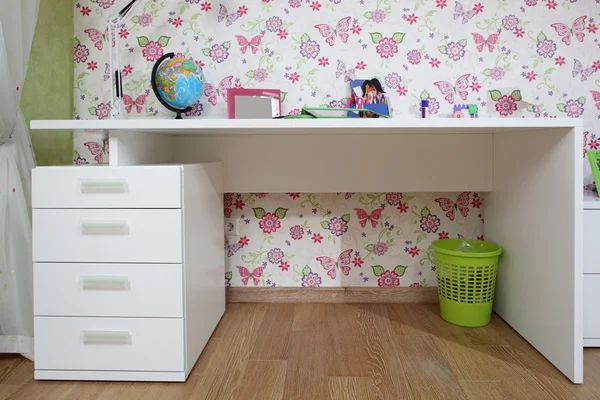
{"points": [[185, 110]]}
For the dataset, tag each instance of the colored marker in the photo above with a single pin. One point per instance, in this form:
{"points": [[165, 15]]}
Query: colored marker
{"points": [[424, 108]]}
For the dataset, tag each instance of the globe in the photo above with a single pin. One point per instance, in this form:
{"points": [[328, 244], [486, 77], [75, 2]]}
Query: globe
{"points": [[177, 83]]}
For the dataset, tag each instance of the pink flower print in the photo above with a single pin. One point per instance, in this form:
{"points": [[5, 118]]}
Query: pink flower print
{"points": [[546, 48], [81, 53], [295, 77], [323, 62], [510, 22], [435, 63], [282, 33], [337, 226], [152, 51], [434, 105], [310, 49], [274, 24], [393, 198], [414, 251], [402, 207], [497, 73], [574, 108], [356, 29], [388, 279], [92, 65], [443, 235], [358, 262], [393, 80], [414, 56], [476, 202], [560, 61], [206, 6], [311, 280], [239, 204], [315, 6], [412, 18], [105, 3], [594, 144], [506, 105], [551, 5], [387, 47], [85, 11], [284, 265], [177, 22], [145, 20], [592, 28], [480, 238], [123, 33], [455, 51], [269, 223], [218, 53], [380, 248], [296, 232], [317, 238], [596, 65], [294, 195], [378, 16], [475, 86], [416, 284], [275, 256], [430, 223], [244, 241], [531, 75], [294, 3], [361, 65], [103, 111], [128, 69], [519, 32], [440, 3], [260, 74]]}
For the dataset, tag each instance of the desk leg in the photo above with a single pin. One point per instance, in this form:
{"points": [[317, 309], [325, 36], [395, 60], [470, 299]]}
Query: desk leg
{"points": [[535, 212], [136, 148]]}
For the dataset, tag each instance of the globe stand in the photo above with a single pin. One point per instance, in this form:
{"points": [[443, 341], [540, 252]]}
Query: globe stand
{"points": [[155, 89]]}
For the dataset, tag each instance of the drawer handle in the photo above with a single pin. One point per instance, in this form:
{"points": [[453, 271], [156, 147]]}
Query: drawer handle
{"points": [[106, 337], [104, 228], [105, 283], [103, 186]]}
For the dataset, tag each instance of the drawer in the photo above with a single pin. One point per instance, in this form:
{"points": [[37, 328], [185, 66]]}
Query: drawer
{"points": [[108, 290], [109, 344], [591, 238], [107, 187], [591, 306], [137, 236]]}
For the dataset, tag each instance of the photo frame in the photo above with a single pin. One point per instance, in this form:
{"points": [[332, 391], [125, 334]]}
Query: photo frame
{"points": [[594, 158], [253, 103]]}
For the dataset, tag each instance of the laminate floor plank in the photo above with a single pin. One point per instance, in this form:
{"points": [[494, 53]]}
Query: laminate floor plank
{"points": [[351, 388], [278, 318], [263, 380]]}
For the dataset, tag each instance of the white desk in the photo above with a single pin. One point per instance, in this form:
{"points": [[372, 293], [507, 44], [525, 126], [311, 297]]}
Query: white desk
{"points": [[532, 170]]}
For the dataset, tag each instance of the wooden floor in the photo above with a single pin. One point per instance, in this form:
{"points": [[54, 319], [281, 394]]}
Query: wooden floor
{"points": [[339, 351]]}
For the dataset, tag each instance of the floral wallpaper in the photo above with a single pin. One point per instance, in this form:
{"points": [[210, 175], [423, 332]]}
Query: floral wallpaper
{"points": [[448, 52]]}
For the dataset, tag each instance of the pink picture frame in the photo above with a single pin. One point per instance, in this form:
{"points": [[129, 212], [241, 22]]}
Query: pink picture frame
{"points": [[235, 92]]}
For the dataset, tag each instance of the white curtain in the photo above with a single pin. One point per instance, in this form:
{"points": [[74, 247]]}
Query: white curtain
{"points": [[17, 26]]}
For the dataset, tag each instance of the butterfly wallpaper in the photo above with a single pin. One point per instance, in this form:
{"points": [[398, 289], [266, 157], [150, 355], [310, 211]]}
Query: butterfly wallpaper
{"points": [[442, 50]]}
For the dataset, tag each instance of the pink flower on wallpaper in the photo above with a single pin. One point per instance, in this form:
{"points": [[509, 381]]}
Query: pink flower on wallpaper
{"points": [[244, 241], [218, 53], [476, 202], [105, 3], [103, 111], [393, 198], [294, 195], [393, 80], [475, 86], [356, 29], [310, 49], [592, 28], [440, 3], [239, 204], [361, 65], [311, 280], [284, 266], [358, 262], [546, 48], [387, 47], [206, 6], [596, 65], [296, 232], [81, 53], [414, 56], [85, 11], [412, 18], [92, 65], [295, 77], [519, 32], [560, 61], [388, 279], [152, 51], [269, 223], [574, 108], [443, 235], [274, 24], [315, 6], [317, 238], [127, 69], [123, 33], [434, 105], [594, 144], [145, 20], [430, 223], [378, 16], [323, 62], [455, 51], [435, 63], [177, 22], [497, 73], [530, 76], [506, 105], [275, 256], [337, 226], [414, 251], [294, 3], [380, 248], [480, 238], [402, 207], [260, 74], [510, 22], [416, 284], [282, 33], [551, 4], [478, 8]]}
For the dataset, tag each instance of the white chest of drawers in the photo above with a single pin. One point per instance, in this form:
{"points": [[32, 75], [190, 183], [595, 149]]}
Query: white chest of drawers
{"points": [[128, 270], [591, 270]]}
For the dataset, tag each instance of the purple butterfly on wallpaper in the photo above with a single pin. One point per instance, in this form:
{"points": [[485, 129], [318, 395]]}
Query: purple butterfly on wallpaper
{"points": [[459, 12], [224, 14], [585, 72]]}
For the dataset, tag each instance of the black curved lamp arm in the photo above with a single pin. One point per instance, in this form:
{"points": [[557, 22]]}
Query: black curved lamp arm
{"points": [[155, 89]]}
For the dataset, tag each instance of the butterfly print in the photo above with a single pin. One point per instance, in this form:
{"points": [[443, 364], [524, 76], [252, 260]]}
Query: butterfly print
{"points": [[342, 263], [364, 216], [577, 30], [106, 72], [585, 141], [341, 31], [462, 84], [349, 74], [596, 97], [461, 204], [481, 42], [245, 274], [139, 103], [96, 151], [211, 92], [253, 43], [459, 12], [97, 37], [578, 69], [223, 14]]}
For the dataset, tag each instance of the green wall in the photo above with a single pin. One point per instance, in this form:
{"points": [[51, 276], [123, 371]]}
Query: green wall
{"points": [[48, 89]]}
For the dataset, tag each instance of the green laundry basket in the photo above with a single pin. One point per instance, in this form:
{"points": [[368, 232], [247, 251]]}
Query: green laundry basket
{"points": [[466, 277]]}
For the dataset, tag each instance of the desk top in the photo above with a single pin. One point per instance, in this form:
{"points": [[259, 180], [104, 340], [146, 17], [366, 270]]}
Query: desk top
{"points": [[591, 201]]}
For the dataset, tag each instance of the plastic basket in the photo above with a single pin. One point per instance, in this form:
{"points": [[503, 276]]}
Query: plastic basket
{"points": [[466, 277]]}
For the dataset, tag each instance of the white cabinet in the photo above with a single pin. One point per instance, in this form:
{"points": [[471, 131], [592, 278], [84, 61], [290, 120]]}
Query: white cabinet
{"points": [[591, 270], [128, 270]]}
